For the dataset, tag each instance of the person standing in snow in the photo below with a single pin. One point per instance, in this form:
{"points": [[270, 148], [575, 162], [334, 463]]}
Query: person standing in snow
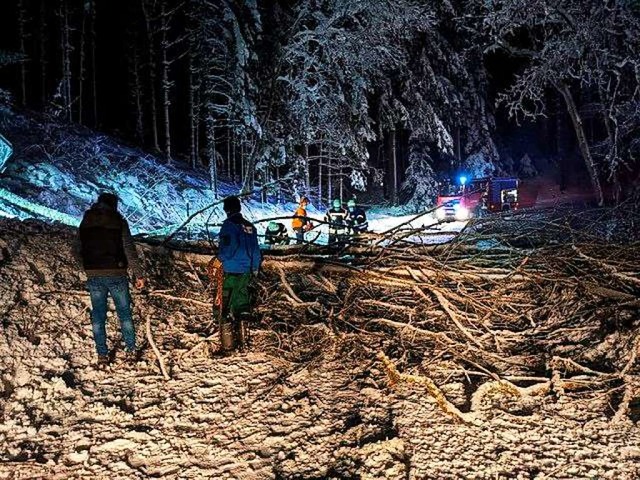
{"points": [[106, 249], [336, 217], [357, 218], [240, 256], [300, 222]]}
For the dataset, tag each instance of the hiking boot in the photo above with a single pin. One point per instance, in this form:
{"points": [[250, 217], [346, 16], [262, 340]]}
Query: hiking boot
{"points": [[103, 360]]}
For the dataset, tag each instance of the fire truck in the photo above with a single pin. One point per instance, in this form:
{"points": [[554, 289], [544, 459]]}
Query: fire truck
{"points": [[463, 199]]}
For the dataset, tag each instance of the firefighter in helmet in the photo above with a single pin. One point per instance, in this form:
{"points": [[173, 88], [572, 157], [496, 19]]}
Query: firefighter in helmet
{"points": [[357, 218], [336, 217], [276, 234]]}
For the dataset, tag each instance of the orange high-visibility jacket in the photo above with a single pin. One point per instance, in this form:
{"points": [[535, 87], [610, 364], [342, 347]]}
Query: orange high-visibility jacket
{"points": [[298, 223]]}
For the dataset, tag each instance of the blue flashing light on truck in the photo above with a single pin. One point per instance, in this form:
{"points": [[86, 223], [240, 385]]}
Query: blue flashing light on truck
{"points": [[476, 197]]}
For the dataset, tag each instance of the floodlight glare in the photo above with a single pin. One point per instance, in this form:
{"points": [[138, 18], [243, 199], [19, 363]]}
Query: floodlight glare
{"points": [[463, 180]]}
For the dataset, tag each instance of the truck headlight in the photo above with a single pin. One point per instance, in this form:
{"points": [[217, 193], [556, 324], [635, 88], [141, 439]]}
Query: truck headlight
{"points": [[461, 212]]}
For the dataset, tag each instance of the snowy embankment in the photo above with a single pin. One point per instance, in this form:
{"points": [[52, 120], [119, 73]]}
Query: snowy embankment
{"points": [[256, 415], [57, 171]]}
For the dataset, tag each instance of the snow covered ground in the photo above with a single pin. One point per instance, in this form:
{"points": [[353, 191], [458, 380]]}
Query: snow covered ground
{"points": [[258, 415]]}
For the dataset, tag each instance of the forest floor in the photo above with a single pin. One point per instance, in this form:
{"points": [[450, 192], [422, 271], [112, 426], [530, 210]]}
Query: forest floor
{"points": [[318, 395]]}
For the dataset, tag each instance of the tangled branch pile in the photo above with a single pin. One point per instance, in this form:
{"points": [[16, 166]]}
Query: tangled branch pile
{"points": [[547, 302]]}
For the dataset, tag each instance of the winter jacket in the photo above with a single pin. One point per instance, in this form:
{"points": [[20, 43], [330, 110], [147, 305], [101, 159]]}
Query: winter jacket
{"points": [[337, 219], [239, 250], [301, 220], [357, 220], [104, 245]]}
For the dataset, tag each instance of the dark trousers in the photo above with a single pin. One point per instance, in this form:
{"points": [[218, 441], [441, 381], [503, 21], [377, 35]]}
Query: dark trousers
{"points": [[299, 236], [236, 310]]}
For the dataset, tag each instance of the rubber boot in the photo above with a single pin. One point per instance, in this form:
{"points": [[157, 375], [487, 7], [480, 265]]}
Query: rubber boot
{"points": [[242, 334], [227, 341]]}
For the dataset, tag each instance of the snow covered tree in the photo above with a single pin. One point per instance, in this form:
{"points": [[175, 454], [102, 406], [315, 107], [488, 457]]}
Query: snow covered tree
{"points": [[420, 185], [333, 57], [575, 47]]}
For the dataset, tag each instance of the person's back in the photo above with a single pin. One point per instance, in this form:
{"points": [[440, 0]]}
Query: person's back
{"points": [[102, 248], [239, 249], [239, 253], [105, 248]]}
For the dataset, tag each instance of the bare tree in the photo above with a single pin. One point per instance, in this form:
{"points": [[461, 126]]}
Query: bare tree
{"points": [[22, 37], [91, 4], [148, 11], [165, 82], [81, 63], [66, 49], [136, 88], [42, 52]]}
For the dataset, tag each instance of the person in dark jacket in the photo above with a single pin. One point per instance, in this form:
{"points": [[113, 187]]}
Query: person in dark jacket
{"points": [[336, 217], [106, 250], [357, 218], [240, 256], [276, 234]]}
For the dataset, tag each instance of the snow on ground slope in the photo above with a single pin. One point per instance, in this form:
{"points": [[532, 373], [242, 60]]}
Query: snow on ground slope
{"points": [[254, 415], [57, 171]]}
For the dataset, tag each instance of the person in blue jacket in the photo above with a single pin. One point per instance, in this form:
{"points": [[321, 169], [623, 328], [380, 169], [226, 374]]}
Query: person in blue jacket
{"points": [[240, 256]]}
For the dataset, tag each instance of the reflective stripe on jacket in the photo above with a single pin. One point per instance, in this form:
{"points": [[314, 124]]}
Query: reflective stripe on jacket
{"points": [[239, 250]]}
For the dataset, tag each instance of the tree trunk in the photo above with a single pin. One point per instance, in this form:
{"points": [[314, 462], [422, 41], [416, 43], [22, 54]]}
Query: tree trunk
{"points": [[151, 58], [233, 156], [136, 91], [608, 101], [341, 182], [329, 179], [394, 169], [94, 85], [192, 123], [307, 173], [211, 153], [22, 20], [83, 34], [43, 53], [65, 37], [166, 84], [248, 183], [242, 164], [320, 173], [582, 142], [228, 169]]}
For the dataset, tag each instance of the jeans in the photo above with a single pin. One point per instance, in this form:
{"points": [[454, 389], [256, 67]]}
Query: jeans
{"points": [[99, 288], [299, 236]]}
